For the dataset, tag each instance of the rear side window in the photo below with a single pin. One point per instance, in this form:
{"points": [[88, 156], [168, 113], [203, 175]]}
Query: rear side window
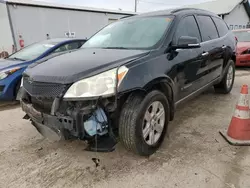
{"points": [[207, 28], [221, 26], [188, 27]]}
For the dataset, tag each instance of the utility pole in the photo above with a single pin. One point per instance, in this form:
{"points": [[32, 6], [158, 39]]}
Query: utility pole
{"points": [[136, 1]]}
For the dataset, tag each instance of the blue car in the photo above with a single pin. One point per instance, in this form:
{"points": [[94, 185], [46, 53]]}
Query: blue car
{"points": [[11, 68]]}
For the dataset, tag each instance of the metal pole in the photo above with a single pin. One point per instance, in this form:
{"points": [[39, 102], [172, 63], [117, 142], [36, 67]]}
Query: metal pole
{"points": [[136, 5]]}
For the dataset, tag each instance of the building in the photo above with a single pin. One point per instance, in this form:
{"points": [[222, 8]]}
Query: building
{"points": [[236, 13], [35, 21]]}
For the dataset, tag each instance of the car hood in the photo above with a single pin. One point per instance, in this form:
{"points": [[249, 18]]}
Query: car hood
{"points": [[242, 46], [5, 63], [71, 67]]}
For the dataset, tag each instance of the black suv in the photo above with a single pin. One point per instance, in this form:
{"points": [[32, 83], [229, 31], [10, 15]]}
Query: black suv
{"points": [[128, 78]]}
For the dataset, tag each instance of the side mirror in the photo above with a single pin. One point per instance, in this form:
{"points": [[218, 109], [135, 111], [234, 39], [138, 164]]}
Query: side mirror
{"points": [[186, 42]]}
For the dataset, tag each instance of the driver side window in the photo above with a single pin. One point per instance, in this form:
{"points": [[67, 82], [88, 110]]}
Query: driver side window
{"points": [[188, 27]]}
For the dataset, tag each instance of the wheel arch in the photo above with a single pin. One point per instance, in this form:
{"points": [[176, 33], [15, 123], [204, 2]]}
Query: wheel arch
{"points": [[233, 57], [166, 87], [163, 84], [229, 55]]}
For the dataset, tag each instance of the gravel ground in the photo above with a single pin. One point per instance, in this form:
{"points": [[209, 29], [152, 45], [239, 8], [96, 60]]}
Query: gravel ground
{"points": [[193, 154]]}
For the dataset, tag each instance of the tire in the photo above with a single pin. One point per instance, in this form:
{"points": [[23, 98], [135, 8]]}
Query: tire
{"points": [[223, 87], [132, 122]]}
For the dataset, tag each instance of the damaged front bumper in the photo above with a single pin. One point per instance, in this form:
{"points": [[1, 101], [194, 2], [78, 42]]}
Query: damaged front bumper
{"points": [[62, 127], [59, 119], [50, 126], [56, 125]]}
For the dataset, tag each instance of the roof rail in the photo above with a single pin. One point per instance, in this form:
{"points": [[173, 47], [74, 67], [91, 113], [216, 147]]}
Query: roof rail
{"points": [[183, 9]]}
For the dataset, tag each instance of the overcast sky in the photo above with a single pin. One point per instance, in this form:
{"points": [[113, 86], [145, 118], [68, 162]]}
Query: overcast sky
{"points": [[128, 5]]}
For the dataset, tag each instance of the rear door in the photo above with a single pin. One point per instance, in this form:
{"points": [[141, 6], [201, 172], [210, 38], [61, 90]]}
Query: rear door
{"points": [[226, 39], [212, 51]]}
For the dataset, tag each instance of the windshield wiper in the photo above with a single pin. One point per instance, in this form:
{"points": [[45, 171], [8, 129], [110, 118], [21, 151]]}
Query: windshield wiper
{"points": [[18, 59]]}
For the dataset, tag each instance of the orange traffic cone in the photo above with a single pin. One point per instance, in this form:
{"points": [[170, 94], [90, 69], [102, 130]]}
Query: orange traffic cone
{"points": [[238, 132]]}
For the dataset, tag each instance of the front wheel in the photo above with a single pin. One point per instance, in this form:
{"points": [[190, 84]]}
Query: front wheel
{"points": [[143, 122], [226, 84]]}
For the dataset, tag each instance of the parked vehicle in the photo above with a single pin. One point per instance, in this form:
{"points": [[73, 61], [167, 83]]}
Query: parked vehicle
{"points": [[128, 79], [12, 67], [243, 47]]}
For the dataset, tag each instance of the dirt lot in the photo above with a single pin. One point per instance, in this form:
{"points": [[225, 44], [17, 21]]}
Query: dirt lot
{"points": [[193, 154]]}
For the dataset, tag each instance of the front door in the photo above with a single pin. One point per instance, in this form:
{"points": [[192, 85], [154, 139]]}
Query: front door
{"points": [[187, 61]]}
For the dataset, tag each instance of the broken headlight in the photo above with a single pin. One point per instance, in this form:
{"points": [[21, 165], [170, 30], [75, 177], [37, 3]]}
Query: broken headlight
{"points": [[103, 84]]}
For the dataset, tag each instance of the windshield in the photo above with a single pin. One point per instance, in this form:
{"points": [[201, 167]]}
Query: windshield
{"points": [[243, 36], [31, 52], [131, 33]]}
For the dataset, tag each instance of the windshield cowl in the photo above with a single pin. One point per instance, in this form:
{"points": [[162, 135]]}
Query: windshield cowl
{"points": [[16, 59]]}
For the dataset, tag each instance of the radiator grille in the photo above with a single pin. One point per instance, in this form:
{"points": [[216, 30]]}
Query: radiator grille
{"points": [[40, 89]]}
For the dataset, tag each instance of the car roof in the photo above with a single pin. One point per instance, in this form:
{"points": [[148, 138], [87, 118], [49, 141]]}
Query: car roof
{"points": [[176, 12]]}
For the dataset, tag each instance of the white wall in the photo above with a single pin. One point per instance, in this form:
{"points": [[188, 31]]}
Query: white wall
{"points": [[6, 41], [33, 23], [237, 17]]}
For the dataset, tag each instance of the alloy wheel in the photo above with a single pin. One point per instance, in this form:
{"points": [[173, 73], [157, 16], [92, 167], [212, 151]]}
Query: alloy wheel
{"points": [[153, 123], [230, 76]]}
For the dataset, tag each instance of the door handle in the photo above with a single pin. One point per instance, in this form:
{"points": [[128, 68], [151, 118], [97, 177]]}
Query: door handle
{"points": [[224, 47], [205, 54]]}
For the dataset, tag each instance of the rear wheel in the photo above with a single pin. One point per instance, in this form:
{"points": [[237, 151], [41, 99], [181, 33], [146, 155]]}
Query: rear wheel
{"points": [[143, 122], [226, 85]]}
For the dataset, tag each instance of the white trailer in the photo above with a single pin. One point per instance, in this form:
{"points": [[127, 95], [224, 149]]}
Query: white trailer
{"points": [[33, 20], [6, 38]]}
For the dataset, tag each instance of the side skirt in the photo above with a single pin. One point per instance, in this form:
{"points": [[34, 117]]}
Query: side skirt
{"points": [[197, 92]]}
